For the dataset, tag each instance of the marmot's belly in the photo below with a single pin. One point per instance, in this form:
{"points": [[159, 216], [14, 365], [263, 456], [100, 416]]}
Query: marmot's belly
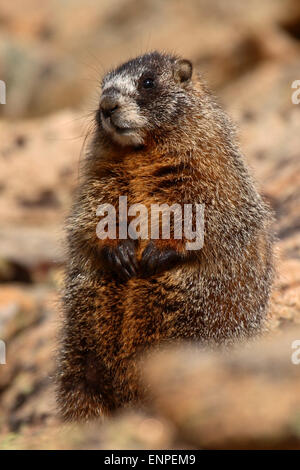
{"points": [[146, 312]]}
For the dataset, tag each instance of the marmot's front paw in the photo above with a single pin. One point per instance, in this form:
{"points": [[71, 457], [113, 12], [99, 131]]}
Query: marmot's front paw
{"points": [[120, 259], [155, 260]]}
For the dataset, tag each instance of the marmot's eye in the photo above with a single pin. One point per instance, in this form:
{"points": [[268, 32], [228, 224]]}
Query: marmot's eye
{"points": [[148, 83]]}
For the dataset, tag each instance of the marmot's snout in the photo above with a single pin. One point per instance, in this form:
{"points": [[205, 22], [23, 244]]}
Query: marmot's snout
{"points": [[120, 117], [109, 104]]}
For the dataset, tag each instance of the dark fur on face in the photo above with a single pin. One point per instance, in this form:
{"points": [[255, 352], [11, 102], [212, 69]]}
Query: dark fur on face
{"points": [[145, 96]]}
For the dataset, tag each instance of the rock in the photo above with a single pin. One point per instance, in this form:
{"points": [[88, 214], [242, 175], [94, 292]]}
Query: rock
{"points": [[50, 62], [37, 177], [45, 153], [18, 310], [11, 271], [131, 430], [26, 389], [246, 399]]}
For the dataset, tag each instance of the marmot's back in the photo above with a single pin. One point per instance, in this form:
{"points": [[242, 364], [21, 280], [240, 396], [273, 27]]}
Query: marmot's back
{"points": [[162, 147]]}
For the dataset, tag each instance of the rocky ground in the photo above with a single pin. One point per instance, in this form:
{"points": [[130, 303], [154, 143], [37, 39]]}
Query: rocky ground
{"points": [[248, 399]]}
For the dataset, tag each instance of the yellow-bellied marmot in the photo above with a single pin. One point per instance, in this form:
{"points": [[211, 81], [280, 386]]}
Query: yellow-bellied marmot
{"points": [[160, 138]]}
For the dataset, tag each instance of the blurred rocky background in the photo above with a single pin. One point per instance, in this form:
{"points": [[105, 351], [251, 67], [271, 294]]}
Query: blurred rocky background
{"points": [[52, 55]]}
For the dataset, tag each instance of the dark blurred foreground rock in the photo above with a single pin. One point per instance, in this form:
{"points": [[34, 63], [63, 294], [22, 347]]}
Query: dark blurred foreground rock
{"points": [[246, 399]]}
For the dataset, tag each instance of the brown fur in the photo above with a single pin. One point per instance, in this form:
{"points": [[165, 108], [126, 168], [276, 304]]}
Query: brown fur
{"points": [[214, 296]]}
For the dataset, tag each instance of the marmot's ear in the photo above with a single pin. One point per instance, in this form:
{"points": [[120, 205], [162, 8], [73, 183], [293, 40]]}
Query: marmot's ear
{"points": [[183, 70]]}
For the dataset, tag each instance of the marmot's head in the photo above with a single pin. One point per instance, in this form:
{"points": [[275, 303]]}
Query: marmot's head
{"points": [[149, 94]]}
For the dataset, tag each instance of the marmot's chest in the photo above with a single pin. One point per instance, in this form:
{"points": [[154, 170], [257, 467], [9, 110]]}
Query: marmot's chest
{"points": [[158, 184]]}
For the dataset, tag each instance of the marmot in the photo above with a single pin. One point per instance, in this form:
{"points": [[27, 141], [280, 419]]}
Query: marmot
{"points": [[160, 137]]}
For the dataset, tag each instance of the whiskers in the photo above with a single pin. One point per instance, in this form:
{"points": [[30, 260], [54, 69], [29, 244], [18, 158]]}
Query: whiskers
{"points": [[89, 132]]}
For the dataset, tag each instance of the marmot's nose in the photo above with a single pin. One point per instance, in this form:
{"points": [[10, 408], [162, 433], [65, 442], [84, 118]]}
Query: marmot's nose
{"points": [[108, 105]]}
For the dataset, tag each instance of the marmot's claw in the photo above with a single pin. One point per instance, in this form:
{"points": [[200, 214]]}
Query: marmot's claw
{"points": [[120, 259], [155, 260]]}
